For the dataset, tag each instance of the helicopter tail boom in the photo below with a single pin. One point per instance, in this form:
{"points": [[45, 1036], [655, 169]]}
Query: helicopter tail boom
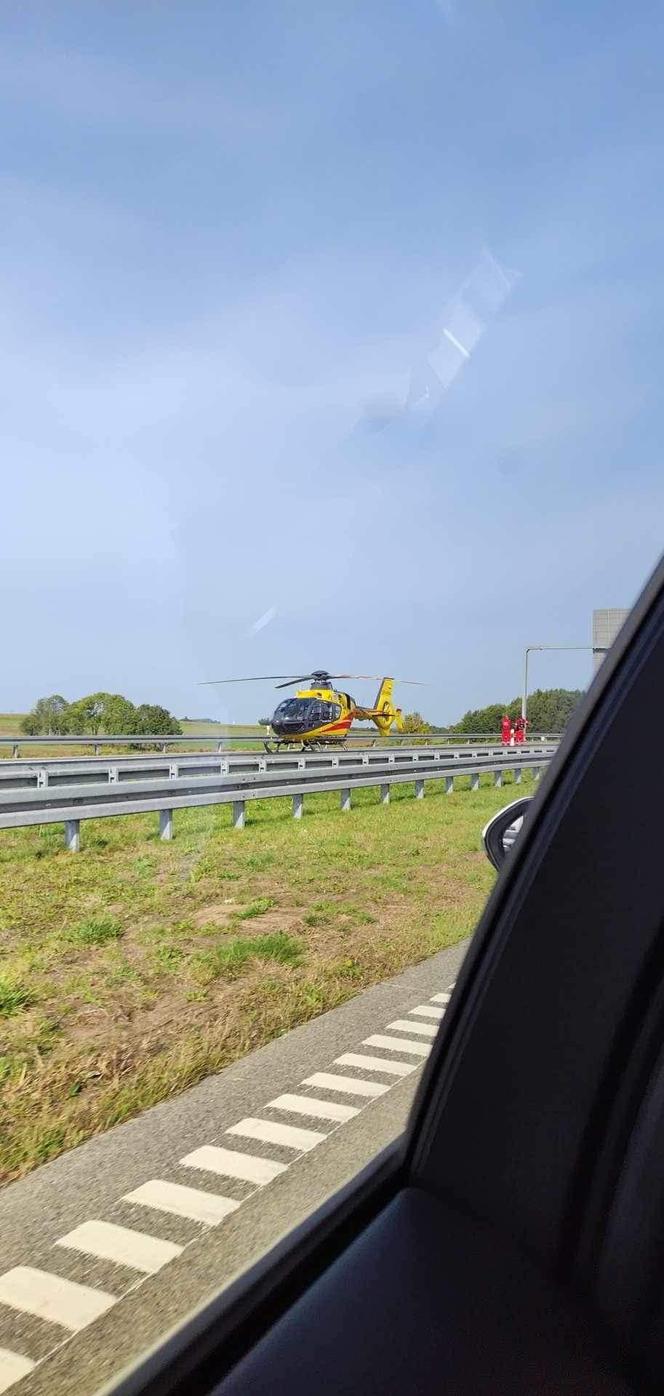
{"points": [[384, 715]]}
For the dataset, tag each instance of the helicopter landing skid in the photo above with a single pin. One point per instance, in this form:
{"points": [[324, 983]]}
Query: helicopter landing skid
{"points": [[273, 747]]}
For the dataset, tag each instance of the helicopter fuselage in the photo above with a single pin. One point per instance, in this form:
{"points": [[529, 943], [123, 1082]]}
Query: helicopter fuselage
{"points": [[314, 715], [322, 715]]}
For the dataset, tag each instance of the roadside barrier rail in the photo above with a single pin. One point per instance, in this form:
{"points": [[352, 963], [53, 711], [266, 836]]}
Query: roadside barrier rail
{"points": [[58, 772], [221, 740], [98, 800]]}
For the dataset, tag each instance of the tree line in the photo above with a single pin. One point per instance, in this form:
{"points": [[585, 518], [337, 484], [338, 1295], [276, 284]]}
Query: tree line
{"points": [[108, 714], [549, 710]]}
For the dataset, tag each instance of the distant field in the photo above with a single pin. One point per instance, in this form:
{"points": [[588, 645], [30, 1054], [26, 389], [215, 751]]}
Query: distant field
{"points": [[10, 726], [202, 728], [138, 967]]}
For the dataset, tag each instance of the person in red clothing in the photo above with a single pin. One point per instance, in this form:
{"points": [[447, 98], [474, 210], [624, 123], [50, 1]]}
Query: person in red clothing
{"points": [[520, 729], [506, 730]]}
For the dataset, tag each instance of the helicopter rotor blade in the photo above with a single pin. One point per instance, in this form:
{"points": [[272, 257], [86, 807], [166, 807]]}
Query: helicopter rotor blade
{"points": [[288, 679], [254, 678], [378, 678]]}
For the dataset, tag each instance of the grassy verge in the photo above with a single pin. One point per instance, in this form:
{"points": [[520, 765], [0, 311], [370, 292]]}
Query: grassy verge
{"points": [[135, 968]]}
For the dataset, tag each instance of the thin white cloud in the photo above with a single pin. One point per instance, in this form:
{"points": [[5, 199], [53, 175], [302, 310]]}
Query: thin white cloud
{"points": [[106, 93]]}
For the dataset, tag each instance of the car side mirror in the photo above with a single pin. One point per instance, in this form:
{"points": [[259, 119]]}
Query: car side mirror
{"points": [[501, 832]]}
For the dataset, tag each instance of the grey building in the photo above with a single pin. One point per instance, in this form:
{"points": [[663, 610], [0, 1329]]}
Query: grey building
{"points": [[606, 625]]}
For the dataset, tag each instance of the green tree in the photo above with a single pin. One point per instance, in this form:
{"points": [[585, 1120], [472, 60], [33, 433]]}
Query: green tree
{"points": [[109, 713], [414, 722], [119, 717], [49, 716], [31, 724], [98, 714], [152, 718], [549, 709], [86, 714], [481, 719]]}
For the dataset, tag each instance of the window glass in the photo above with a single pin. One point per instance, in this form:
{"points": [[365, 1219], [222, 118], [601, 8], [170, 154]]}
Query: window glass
{"points": [[330, 337]]}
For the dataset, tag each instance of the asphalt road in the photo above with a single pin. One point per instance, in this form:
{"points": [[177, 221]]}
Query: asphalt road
{"points": [[107, 1248]]}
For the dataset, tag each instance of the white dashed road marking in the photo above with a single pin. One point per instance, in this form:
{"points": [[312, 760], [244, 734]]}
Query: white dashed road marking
{"points": [[207, 1207], [405, 1025], [13, 1367], [397, 1044], [48, 1296], [318, 1109], [121, 1244], [269, 1132], [376, 1064], [349, 1085], [73, 1306], [229, 1164]]}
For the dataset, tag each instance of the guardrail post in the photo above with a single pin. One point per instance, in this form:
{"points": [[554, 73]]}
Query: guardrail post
{"points": [[42, 779], [166, 824], [517, 775], [475, 780], [419, 789], [449, 785], [345, 797], [238, 814], [15, 749], [497, 778], [97, 747], [537, 771], [298, 803], [73, 835], [113, 775], [173, 770], [384, 794]]}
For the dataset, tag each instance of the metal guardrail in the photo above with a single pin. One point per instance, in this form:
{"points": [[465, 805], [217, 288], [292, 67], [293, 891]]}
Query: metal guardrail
{"points": [[58, 772], [222, 740], [22, 808]]}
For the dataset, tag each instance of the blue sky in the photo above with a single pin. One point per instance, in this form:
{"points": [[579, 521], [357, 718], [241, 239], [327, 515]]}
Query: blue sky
{"points": [[231, 239]]}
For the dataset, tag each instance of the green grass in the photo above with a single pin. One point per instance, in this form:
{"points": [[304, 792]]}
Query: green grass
{"points": [[255, 908], [125, 975], [232, 958], [13, 996], [95, 931]]}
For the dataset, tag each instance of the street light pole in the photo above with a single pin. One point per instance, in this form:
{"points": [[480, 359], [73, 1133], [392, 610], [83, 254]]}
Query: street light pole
{"points": [[528, 650]]}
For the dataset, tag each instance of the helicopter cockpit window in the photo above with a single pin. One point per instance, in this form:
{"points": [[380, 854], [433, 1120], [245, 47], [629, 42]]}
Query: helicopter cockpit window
{"points": [[324, 712], [313, 711], [292, 710]]}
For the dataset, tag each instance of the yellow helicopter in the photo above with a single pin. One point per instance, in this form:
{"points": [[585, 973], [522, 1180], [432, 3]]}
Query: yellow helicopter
{"points": [[319, 715]]}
